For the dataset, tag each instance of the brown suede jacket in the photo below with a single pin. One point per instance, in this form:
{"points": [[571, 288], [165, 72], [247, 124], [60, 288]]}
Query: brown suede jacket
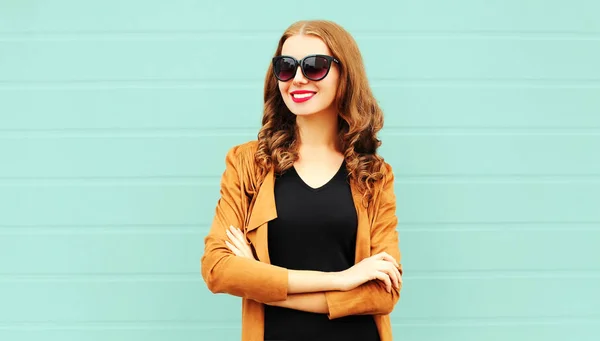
{"points": [[245, 206]]}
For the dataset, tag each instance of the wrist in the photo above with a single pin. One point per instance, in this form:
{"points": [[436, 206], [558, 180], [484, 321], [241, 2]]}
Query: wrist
{"points": [[337, 281], [278, 303]]}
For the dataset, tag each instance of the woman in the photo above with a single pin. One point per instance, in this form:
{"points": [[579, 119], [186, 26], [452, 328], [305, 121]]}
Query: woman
{"points": [[328, 267]]}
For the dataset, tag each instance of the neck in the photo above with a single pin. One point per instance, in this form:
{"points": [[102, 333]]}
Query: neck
{"points": [[318, 131]]}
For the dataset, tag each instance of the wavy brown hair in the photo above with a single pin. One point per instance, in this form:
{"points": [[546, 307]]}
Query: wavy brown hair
{"points": [[359, 115]]}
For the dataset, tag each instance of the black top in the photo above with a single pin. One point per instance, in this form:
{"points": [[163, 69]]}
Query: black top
{"points": [[315, 229]]}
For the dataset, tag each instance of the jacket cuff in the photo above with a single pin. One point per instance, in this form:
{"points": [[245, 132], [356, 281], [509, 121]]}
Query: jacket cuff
{"points": [[370, 298]]}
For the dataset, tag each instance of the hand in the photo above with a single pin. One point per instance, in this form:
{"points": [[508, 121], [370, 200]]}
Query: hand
{"points": [[381, 266], [238, 244]]}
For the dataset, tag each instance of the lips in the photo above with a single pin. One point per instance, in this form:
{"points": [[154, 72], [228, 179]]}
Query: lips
{"points": [[299, 96]]}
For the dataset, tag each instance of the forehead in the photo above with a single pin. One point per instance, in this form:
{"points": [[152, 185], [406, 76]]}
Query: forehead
{"points": [[299, 46]]}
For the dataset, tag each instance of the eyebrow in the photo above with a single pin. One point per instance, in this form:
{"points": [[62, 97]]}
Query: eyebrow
{"points": [[308, 54]]}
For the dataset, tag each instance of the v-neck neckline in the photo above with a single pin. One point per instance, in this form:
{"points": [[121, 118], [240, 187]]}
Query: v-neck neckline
{"points": [[325, 185]]}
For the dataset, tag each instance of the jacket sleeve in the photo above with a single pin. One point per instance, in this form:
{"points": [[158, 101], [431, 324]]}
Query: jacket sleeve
{"points": [[223, 271], [372, 298]]}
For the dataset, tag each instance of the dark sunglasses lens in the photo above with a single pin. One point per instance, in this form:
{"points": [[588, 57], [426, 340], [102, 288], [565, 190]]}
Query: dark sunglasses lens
{"points": [[316, 68], [285, 68]]}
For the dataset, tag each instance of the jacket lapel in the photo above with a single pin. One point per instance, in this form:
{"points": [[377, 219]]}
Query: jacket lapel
{"points": [[262, 212]]}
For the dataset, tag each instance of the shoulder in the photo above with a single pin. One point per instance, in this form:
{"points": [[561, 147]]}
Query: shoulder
{"points": [[387, 173], [241, 156], [243, 150], [386, 183]]}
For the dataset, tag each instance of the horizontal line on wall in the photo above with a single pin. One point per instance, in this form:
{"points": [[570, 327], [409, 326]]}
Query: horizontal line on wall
{"points": [[210, 181], [226, 84], [201, 232], [71, 229], [207, 324], [197, 277], [497, 321], [202, 229], [161, 35], [173, 132], [251, 133]]}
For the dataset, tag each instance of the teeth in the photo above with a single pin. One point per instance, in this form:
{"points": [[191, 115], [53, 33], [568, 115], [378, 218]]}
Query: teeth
{"points": [[302, 95]]}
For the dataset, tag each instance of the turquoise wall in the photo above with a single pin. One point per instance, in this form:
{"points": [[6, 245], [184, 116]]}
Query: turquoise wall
{"points": [[115, 121]]}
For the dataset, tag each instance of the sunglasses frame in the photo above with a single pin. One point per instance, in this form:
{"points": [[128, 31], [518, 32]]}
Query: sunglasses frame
{"points": [[301, 64]]}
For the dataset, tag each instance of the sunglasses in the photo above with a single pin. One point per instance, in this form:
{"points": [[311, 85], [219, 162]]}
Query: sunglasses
{"points": [[314, 67]]}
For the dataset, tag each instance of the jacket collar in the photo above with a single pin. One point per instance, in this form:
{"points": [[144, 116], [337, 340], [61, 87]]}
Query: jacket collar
{"points": [[263, 209]]}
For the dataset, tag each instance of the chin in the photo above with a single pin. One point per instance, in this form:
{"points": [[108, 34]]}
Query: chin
{"points": [[303, 113]]}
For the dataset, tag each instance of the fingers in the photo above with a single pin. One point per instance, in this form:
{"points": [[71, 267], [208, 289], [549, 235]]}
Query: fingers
{"points": [[386, 256], [390, 270], [398, 277], [396, 273], [233, 248], [239, 234], [236, 240], [385, 278]]}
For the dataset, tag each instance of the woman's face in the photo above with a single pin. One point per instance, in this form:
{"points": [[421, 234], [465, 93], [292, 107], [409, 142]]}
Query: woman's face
{"points": [[322, 93]]}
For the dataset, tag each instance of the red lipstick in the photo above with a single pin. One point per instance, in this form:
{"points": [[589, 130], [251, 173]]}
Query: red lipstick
{"points": [[303, 98]]}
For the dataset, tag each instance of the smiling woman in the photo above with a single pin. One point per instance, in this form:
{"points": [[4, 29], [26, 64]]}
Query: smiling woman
{"points": [[318, 77], [329, 266]]}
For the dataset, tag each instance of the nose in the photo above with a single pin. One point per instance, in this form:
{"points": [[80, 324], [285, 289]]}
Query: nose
{"points": [[299, 77]]}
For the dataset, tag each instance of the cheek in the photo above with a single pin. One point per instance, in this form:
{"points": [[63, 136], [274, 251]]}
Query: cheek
{"points": [[283, 88], [330, 88], [331, 82], [329, 92]]}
